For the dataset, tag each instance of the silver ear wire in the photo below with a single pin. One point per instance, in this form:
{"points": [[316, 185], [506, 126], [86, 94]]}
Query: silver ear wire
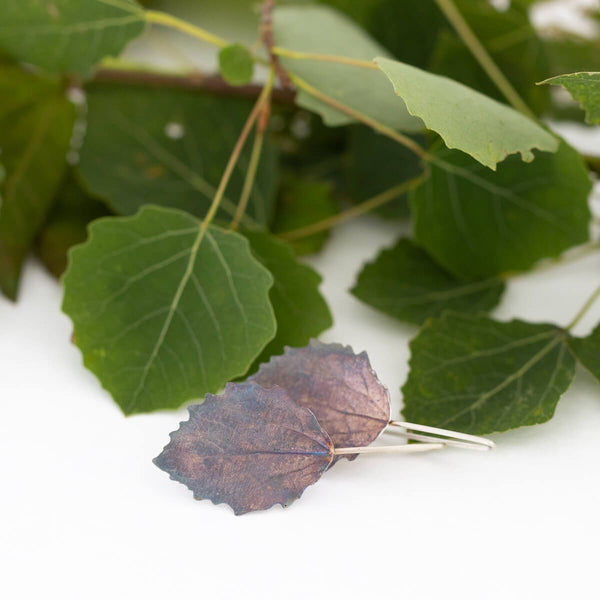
{"points": [[403, 449], [415, 432]]}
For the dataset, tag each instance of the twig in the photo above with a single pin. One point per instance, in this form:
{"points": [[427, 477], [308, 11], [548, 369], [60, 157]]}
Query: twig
{"points": [[235, 154], [161, 18], [355, 211], [332, 58], [483, 57], [261, 127], [583, 310], [192, 81], [376, 125], [266, 35]]}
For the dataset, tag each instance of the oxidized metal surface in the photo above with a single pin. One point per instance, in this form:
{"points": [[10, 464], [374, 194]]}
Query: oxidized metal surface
{"points": [[250, 448], [337, 385]]}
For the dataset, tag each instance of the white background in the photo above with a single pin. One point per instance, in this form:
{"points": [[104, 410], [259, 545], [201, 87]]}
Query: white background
{"points": [[85, 514]]}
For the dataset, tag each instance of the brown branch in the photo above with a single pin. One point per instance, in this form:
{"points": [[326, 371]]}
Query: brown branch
{"points": [[266, 35], [212, 84]]}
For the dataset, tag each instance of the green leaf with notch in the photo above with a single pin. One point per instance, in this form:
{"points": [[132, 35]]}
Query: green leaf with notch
{"points": [[68, 35], [300, 310], [323, 30], [36, 122], [405, 283], [585, 88], [477, 375], [170, 148], [478, 223], [465, 119], [165, 310]]}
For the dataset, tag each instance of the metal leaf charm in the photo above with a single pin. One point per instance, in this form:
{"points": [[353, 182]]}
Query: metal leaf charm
{"points": [[337, 385], [250, 448]]}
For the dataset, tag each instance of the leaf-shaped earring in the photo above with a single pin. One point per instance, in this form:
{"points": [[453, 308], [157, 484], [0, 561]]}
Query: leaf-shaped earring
{"points": [[251, 448], [337, 385], [344, 393], [260, 444]]}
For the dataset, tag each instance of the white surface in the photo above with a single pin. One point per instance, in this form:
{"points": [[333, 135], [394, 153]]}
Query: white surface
{"points": [[85, 514]]}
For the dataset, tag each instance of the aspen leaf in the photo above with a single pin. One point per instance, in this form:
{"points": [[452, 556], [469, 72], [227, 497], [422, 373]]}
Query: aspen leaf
{"points": [[68, 35], [585, 88], [250, 448], [477, 375], [466, 119], [165, 309], [337, 385]]}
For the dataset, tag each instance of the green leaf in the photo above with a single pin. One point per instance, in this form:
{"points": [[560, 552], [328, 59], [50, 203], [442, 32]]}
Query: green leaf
{"points": [[300, 310], [303, 202], [67, 224], [377, 163], [585, 88], [36, 121], [322, 30], [236, 64], [405, 283], [165, 310], [68, 35], [477, 375], [465, 119], [512, 42], [170, 148], [587, 351], [477, 223]]}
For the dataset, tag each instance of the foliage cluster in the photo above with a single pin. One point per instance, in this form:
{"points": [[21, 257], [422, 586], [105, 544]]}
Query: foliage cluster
{"points": [[179, 202]]}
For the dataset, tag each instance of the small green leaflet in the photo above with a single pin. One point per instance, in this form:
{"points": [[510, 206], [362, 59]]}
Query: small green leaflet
{"points": [[170, 147], [323, 30], [585, 88], [465, 119], [405, 283], [68, 36], [36, 121], [477, 375], [303, 202], [236, 64], [300, 310], [587, 350], [478, 223], [165, 310]]}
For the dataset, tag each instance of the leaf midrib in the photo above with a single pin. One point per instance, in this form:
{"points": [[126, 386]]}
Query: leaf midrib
{"points": [[170, 314], [516, 375]]}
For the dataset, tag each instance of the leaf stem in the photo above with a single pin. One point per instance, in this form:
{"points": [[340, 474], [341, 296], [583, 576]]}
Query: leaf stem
{"points": [[355, 211], [483, 57], [235, 154], [376, 125], [583, 310], [344, 60], [160, 18], [263, 120]]}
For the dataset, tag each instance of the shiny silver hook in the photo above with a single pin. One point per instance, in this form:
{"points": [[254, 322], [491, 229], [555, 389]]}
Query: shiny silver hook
{"points": [[415, 432]]}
